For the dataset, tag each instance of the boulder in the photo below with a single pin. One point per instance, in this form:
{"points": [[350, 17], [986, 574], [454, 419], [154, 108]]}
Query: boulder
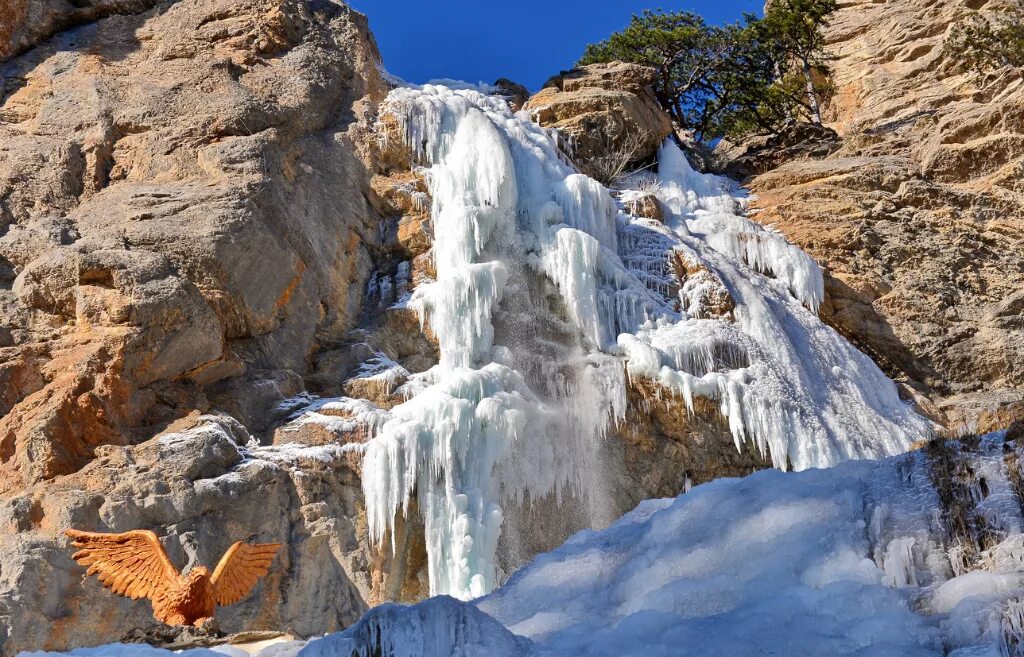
{"points": [[607, 113]]}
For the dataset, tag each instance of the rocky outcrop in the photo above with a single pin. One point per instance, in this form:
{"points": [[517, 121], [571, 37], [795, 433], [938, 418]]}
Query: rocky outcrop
{"points": [[183, 215], [761, 153], [203, 485], [664, 448], [918, 218], [608, 113], [516, 94]]}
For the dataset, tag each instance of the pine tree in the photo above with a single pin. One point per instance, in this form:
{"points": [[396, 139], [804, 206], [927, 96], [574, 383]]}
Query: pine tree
{"points": [[794, 29], [734, 79], [982, 44], [680, 46]]}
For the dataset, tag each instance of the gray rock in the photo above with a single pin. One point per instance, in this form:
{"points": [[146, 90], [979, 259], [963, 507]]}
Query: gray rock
{"points": [[201, 491]]}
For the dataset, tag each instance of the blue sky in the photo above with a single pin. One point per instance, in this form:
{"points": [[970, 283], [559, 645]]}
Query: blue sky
{"points": [[524, 40]]}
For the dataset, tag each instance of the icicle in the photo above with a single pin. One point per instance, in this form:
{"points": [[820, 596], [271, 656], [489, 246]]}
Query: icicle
{"points": [[473, 435]]}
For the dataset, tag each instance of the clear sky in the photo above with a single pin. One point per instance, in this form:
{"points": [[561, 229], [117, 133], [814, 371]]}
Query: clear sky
{"points": [[524, 40]]}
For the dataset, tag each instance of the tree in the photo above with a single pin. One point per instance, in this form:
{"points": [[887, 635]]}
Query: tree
{"points": [[750, 97], [734, 79], [680, 46], [792, 28], [981, 44]]}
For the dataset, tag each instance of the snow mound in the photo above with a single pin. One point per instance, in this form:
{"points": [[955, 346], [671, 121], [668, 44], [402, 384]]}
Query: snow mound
{"points": [[439, 627], [860, 559]]}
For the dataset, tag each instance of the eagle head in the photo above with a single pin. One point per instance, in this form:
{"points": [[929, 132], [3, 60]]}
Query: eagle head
{"points": [[198, 573]]}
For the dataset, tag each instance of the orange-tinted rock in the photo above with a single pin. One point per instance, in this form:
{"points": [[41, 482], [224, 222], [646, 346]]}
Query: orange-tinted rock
{"points": [[918, 220], [608, 112], [666, 448], [646, 206], [704, 291], [185, 213]]}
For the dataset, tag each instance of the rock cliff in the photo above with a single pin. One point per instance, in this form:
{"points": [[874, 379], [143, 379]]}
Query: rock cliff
{"points": [[184, 226], [183, 221], [205, 222], [918, 217]]}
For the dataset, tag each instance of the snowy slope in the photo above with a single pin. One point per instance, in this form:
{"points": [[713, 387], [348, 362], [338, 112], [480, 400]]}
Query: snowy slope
{"points": [[854, 560]]}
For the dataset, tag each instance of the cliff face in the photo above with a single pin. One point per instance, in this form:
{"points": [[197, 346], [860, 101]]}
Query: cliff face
{"points": [[184, 226], [182, 220], [919, 216]]}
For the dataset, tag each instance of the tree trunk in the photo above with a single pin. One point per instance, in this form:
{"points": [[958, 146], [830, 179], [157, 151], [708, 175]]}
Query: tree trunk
{"points": [[812, 96], [669, 101], [677, 109]]}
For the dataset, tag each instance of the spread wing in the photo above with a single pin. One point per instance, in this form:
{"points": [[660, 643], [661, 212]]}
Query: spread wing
{"points": [[239, 570], [132, 564]]}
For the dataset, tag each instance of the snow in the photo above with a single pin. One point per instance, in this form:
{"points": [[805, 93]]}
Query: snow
{"points": [[708, 206], [776, 563], [442, 626], [771, 562], [489, 424], [381, 368], [129, 650], [343, 415], [851, 560], [444, 444]]}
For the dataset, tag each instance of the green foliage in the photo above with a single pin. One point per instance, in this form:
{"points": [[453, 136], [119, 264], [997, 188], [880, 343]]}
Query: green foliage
{"points": [[792, 30], [683, 49], [735, 79], [982, 44]]}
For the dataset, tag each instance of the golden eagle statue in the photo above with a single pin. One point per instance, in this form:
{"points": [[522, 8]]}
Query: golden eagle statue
{"points": [[134, 564]]}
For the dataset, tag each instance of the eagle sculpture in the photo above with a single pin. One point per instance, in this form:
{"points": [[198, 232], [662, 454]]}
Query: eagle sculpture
{"points": [[134, 564]]}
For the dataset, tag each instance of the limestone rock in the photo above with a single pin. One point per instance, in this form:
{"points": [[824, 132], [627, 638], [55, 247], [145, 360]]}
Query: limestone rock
{"points": [[183, 213], [608, 112], [516, 94], [647, 206], [665, 449], [24, 23], [762, 153], [705, 293], [918, 219], [177, 484]]}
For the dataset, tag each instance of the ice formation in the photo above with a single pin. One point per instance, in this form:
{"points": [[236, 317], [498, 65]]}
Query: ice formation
{"points": [[856, 560], [494, 421], [853, 560]]}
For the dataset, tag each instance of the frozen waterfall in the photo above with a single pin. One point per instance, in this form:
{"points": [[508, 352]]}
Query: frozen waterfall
{"points": [[494, 421]]}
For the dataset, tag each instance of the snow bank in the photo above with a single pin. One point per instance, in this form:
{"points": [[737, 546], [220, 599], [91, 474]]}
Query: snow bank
{"points": [[852, 560], [774, 563]]}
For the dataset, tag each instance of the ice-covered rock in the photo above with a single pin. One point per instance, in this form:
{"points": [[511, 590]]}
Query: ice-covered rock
{"points": [[489, 424]]}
